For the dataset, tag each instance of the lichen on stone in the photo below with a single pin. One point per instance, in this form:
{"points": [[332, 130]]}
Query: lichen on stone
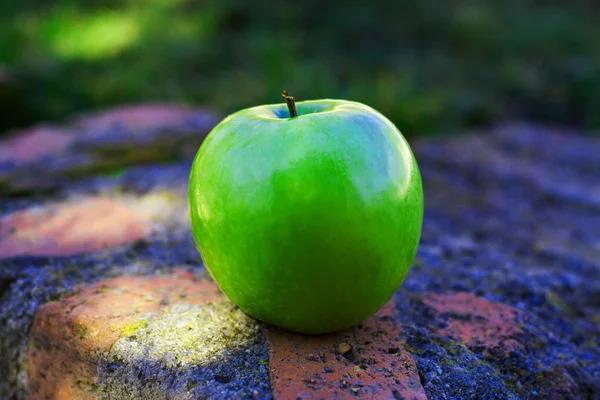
{"points": [[188, 334], [178, 354], [130, 329]]}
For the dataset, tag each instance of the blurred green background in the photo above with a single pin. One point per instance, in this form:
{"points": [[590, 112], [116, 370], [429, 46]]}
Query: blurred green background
{"points": [[432, 67]]}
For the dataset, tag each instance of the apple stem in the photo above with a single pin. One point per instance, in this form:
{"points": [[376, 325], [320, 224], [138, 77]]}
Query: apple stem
{"points": [[291, 103]]}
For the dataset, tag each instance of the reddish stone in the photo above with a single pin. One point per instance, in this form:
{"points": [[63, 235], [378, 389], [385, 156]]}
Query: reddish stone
{"points": [[68, 336], [476, 322], [70, 228], [26, 146], [136, 118], [368, 361]]}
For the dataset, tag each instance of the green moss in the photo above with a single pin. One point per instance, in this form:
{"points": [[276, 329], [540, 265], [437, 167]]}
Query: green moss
{"points": [[188, 335], [110, 157], [81, 330], [185, 335], [130, 329], [68, 294], [558, 303], [87, 387], [114, 159]]}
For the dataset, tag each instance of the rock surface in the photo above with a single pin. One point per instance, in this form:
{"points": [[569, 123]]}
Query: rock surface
{"points": [[103, 294]]}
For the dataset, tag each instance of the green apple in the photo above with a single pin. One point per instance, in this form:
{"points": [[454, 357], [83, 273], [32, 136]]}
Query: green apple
{"points": [[308, 221]]}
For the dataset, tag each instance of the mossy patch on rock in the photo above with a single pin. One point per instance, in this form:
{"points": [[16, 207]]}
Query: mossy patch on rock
{"points": [[187, 347], [199, 335], [130, 329]]}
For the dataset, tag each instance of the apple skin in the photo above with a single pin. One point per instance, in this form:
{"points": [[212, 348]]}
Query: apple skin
{"points": [[310, 223]]}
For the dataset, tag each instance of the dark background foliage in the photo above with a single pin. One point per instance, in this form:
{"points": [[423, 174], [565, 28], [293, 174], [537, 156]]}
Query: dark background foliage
{"points": [[432, 67]]}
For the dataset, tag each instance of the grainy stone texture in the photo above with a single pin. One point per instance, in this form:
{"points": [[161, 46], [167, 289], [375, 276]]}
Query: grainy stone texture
{"points": [[502, 300], [368, 360]]}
